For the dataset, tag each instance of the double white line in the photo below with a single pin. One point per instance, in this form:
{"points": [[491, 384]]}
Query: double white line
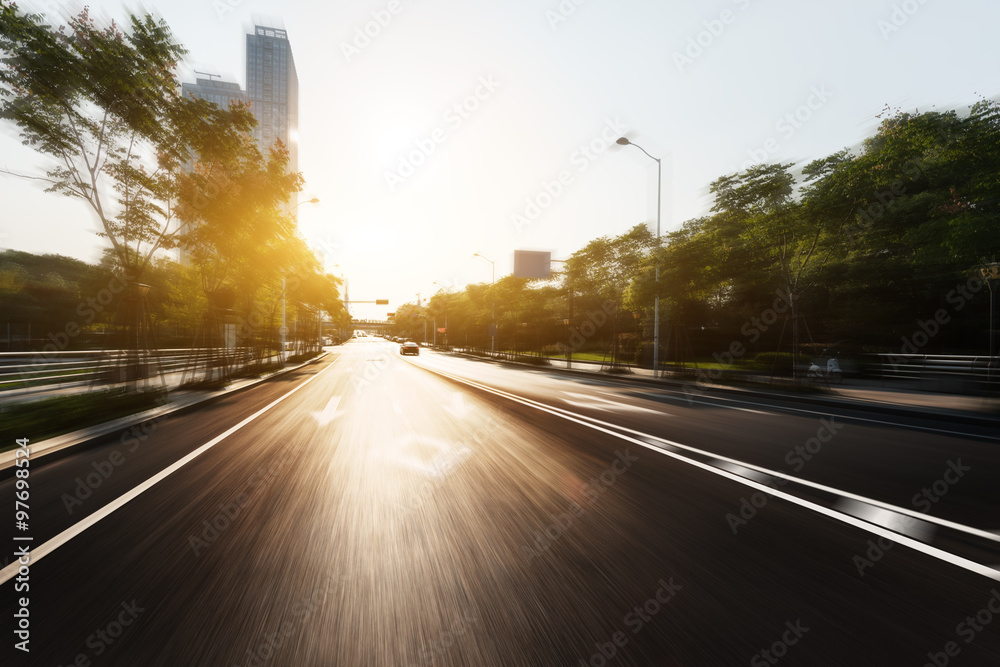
{"points": [[717, 465]]}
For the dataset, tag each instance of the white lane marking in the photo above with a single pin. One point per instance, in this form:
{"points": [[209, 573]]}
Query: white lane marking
{"points": [[964, 563], [329, 413], [458, 407], [758, 470], [38, 553], [900, 523], [587, 401], [688, 399], [773, 409]]}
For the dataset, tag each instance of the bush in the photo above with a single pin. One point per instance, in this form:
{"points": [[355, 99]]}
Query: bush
{"points": [[50, 417], [779, 362]]}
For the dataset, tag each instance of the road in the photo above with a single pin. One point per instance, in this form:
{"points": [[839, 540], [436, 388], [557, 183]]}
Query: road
{"points": [[376, 510]]}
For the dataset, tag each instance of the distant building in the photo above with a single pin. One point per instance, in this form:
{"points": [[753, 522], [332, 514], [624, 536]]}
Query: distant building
{"points": [[221, 93], [273, 89]]}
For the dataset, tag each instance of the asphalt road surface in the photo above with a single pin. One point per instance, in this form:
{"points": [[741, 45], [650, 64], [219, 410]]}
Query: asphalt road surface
{"points": [[377, 510]]}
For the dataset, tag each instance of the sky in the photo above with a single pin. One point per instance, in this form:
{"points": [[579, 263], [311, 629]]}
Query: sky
{"points": [[431, 130]]}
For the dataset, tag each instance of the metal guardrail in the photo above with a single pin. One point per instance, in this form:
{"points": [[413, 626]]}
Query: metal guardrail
{"points": [[938, 372], [41, 370]]}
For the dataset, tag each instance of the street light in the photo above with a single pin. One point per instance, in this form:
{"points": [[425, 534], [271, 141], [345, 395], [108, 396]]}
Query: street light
{"points": [[623, 141], [493, 316], [420, 306], [440, 287]]}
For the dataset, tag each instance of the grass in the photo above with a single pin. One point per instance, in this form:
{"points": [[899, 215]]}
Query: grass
{"points": [[47, 418]]}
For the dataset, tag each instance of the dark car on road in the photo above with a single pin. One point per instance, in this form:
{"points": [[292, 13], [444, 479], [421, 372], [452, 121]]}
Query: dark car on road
{"points": [[409, 347]]}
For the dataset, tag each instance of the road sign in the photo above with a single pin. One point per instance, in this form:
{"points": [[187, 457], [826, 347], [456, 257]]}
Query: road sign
{"points": [[532, 264]]}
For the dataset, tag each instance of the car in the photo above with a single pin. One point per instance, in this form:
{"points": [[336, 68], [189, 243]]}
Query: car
{"points": [[409, 347]]}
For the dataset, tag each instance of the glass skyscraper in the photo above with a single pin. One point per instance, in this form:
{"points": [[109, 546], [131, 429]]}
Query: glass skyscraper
{"points": [[273, 89]]}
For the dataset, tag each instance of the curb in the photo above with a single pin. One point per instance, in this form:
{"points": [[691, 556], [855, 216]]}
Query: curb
{"points": [[60, 443], [958, 416]]}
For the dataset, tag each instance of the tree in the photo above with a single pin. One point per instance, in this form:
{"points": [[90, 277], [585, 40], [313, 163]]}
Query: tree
{"points": [[602, 272], [104, 106], [785, 242]]}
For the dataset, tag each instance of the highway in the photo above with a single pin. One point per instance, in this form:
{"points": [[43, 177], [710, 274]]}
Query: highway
{"points": [[371, 509]]}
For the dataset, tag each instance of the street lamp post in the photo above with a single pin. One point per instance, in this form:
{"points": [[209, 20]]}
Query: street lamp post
{"points": [[493, 316], [623, 141], [434, 334], [420, 306]]}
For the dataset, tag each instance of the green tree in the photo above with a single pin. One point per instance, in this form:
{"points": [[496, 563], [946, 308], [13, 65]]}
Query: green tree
{"points": [[783, 243], [104, 106]]}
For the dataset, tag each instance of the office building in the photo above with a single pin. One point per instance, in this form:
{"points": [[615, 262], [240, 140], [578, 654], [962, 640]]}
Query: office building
{"points": [[273, 90]]}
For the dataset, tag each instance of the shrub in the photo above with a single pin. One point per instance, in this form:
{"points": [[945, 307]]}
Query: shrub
{"points": [[779, 362]]}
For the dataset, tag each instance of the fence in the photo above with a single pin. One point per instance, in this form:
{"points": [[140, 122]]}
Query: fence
{"points": [[39, 371]]}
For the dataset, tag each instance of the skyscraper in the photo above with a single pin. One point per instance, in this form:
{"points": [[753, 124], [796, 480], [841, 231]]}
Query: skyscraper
{"points": [[273, 89], [220, 93]]}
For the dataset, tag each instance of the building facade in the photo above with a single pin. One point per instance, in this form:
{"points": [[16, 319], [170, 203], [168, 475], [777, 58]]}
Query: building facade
{"points": [[220, 93], [273, 90]]}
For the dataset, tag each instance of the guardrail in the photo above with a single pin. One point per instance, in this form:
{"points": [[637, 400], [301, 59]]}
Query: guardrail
{"points": [[25, 372], [939, 372]]}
